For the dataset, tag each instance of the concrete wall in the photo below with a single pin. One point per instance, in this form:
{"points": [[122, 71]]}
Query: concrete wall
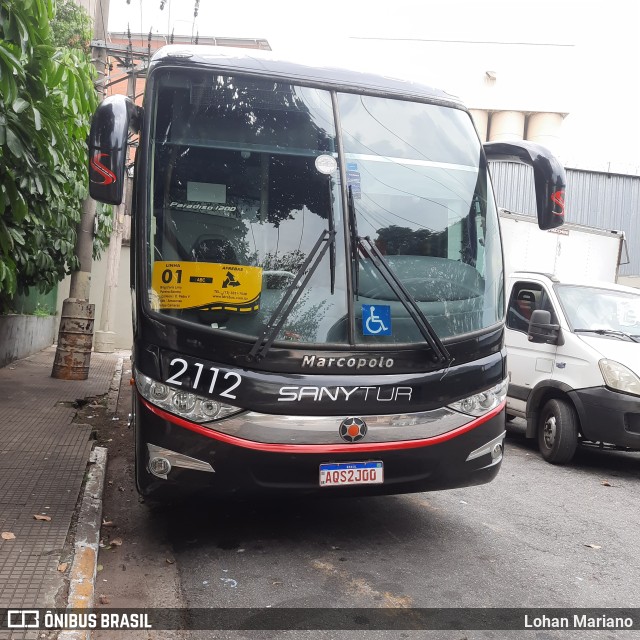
{"points": [[21, 336]]}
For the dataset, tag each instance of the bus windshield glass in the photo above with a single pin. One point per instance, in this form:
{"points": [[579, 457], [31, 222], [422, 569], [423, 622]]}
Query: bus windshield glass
{"points": [[250, 176]]}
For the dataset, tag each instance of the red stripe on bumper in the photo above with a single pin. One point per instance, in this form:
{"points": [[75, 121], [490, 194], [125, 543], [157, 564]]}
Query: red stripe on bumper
{"points": [[320, 448]]}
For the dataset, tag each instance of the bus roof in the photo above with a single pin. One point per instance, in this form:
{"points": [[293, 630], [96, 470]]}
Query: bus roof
{"points": [[257, 62]]}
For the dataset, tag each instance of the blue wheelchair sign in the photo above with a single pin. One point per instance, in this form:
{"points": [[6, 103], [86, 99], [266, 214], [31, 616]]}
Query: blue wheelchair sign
{"points": [[376, 320]]}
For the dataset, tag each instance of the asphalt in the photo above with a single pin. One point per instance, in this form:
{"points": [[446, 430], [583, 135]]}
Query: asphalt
{"points": [[51, 480]]}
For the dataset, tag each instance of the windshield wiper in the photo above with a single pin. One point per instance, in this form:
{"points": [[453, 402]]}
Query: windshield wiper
{"points": [[332, 252], [370, 251], [353, 236], [291, 295], [610, 332]]}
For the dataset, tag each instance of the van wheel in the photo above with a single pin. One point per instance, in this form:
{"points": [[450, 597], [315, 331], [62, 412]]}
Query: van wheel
{"points": [[558, 431]]}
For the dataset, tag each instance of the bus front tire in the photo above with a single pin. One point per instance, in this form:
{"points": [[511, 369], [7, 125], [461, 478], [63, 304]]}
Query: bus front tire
{"points": [[558, 431]]}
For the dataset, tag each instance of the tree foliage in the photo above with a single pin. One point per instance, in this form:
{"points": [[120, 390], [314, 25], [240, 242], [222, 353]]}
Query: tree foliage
{"points": [[46, 101], [71, 27]]}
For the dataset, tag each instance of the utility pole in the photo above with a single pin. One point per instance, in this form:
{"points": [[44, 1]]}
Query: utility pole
{"points": [[75, 337]]}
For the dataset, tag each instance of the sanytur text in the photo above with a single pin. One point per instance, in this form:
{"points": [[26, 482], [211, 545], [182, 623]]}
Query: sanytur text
{"points": [[334, 394]]}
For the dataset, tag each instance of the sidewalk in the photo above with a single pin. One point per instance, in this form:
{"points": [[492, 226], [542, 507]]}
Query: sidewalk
{"points": [[43, 460]]}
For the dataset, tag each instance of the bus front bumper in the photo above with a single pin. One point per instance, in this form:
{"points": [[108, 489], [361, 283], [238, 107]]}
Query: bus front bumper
{"points": [[172, 461]]}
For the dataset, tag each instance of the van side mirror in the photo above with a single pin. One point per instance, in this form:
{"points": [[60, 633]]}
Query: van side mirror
{"points": [[548, 173], [110, 126], [542, 331]]}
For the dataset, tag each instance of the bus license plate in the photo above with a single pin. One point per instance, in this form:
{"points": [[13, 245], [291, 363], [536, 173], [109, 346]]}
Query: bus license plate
{"points": [[348, 473]]}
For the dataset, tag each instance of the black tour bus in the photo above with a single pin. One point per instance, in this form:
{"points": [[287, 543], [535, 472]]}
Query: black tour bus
{"points": [[318, 277]]}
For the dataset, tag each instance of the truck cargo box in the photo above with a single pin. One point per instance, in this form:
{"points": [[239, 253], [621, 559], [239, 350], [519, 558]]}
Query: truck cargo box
{"points": [[570, 252]]}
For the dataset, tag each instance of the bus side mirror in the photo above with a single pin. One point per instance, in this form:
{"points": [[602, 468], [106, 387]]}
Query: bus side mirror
{"points": [[548, 175], [541, 330], [110, 126]]}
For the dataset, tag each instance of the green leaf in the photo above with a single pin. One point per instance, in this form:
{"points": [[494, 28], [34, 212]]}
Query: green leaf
{"points": [[10, 280], [22, 27], [17, 235], [6, 243], [8, 87], [37, 119], [60, 75], [14, 143], [10, 59], [19, 207], [70, 88], [19, 105]]}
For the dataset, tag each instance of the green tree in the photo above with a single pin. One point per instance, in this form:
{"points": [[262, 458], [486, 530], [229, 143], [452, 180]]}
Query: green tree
{"points": [[47, 97], [71, 27]]}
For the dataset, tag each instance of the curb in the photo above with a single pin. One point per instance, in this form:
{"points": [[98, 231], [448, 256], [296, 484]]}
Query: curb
{"points": [[85, 556], [84, 567], [114, 388]]}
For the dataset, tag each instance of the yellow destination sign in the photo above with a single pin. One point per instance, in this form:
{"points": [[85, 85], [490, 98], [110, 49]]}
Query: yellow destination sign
{"points": [[208, 286]]}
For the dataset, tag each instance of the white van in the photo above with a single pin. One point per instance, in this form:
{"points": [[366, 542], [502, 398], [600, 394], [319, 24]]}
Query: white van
{"points": [[573, 360]]}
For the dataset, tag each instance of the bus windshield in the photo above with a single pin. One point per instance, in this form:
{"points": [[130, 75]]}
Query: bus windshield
{"points": [[250, 175]]}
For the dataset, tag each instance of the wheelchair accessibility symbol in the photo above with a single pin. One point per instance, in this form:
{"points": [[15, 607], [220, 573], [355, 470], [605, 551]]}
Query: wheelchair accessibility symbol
{"points": [[376, 320]]}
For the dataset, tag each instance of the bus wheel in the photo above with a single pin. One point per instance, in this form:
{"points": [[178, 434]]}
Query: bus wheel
{"points": [[558, 431]]}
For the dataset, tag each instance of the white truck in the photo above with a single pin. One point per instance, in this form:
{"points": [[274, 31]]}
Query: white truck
{"points": [[572, 337]]}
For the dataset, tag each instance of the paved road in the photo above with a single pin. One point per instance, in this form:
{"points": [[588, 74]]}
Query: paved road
{"points": [[539, 536], [517, 542]]}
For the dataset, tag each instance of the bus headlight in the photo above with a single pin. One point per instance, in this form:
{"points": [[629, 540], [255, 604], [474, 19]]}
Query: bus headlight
{"points": [[210, 408], [182, 403], [159, 391], [480, 403], [618, 377]]}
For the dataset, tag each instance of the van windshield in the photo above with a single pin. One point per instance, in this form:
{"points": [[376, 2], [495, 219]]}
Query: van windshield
{"points": [[593, 308], [249, 174]]}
